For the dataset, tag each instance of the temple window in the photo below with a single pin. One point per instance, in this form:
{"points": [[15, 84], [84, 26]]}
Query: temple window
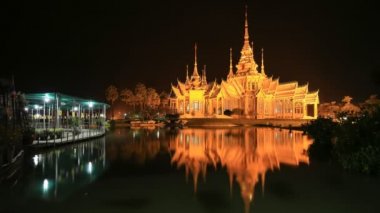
{"points": [[298, 108]]}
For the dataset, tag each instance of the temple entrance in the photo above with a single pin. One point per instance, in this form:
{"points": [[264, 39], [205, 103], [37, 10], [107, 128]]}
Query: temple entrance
{"points": [[310, 110]]}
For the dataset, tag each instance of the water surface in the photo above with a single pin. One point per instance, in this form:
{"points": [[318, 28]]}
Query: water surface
{"points": [[190, 170]]}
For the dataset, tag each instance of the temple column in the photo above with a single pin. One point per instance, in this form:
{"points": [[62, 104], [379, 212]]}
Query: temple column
{"points": [[245, 105], [283, 105], [217, 106], [304, 110], [176, 105], [293, 109], [315, 111], [222, 106]]}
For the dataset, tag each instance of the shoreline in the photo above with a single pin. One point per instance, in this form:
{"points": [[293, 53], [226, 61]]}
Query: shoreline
{"points": [[231, 122], [235, 122]]}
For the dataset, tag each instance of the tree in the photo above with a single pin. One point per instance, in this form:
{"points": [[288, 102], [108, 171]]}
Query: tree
{"points": [[328, 110], [152, 98], [140, 94], [111, 96], [128, 97], [371, 105], [348, 107], [347, 99], [164, 100]]}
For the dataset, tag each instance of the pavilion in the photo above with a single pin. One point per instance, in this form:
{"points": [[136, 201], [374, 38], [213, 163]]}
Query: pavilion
{"points": [[73, 117]]}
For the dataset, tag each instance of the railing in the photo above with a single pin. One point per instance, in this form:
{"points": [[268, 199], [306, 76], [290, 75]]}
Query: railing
{"points": [[68, 136]]}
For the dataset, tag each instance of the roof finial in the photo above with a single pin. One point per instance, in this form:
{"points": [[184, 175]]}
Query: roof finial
{"points": [[204, 78], [246, 34], [187, 74], [262, 61], [231, 73], [195, 72]]}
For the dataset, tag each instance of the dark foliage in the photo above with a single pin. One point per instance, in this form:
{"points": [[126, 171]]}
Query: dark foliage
{"points": [[353, 142]]}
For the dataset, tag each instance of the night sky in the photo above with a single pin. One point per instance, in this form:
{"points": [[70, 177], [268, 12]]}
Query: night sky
{"points": [[81, 47]]}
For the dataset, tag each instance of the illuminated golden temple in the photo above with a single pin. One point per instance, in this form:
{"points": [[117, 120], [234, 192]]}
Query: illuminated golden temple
{"points": [[246, 154], [247, 90]]}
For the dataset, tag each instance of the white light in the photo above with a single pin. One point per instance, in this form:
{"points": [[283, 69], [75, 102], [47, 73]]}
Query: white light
{"points": [[26, 109], [46, 98], [75, 109], [158, 134], [36, 106], [45, 185], [89, 168], [125, 114], [35, 160], [38, 115], [102, 115], [90, 104]]}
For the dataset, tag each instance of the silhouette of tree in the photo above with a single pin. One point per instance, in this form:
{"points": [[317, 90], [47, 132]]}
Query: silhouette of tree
{"points": [[348, 106], [152, 99], [128, 97], [140, 94], [112, 95]]}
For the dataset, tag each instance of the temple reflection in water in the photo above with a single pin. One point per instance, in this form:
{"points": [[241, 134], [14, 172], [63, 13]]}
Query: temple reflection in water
{"points": [[247, 154]]}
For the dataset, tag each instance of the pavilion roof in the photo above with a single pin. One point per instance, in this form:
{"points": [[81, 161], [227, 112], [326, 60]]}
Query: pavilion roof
{"points": [[65, 101]]}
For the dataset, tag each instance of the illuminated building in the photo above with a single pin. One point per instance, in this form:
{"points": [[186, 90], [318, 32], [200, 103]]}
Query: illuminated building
{"points": [[247, 90]]}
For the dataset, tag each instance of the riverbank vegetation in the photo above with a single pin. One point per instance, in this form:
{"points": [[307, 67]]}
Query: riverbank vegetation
{"points": [[140, 103], [351, 138], [13, 121]]}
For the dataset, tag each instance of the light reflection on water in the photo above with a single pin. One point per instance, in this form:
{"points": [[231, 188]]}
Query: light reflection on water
{"points": [[57, 173], [246, 154]]}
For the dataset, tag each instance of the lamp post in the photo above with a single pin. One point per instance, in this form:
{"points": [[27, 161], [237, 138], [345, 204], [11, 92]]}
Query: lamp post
{"points": [[90, 105], [36, 107], [46, 100]]}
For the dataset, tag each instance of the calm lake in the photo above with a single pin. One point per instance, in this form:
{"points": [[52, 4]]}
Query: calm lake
{"points": [[189, 170]]}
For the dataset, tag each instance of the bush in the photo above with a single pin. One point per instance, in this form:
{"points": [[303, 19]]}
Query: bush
{"points": [[353, 142], [10, 143], [365, 160], [48, 134], [77, 131], [323, 131], [172, 117], [28, 135]]}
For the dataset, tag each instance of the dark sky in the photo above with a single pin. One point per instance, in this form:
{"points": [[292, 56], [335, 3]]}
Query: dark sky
{"points": [[80, 47]]}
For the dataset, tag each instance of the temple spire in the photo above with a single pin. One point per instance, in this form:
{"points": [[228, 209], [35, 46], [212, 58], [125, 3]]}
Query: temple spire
{"points": [[246, 34], [246, 62], [204, 78], [187, 74], [231, 73], [262, 61], [195, 72]]}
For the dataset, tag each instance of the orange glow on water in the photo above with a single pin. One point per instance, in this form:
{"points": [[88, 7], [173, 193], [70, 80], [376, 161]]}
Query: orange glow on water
{"points": [[247, 154]]}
